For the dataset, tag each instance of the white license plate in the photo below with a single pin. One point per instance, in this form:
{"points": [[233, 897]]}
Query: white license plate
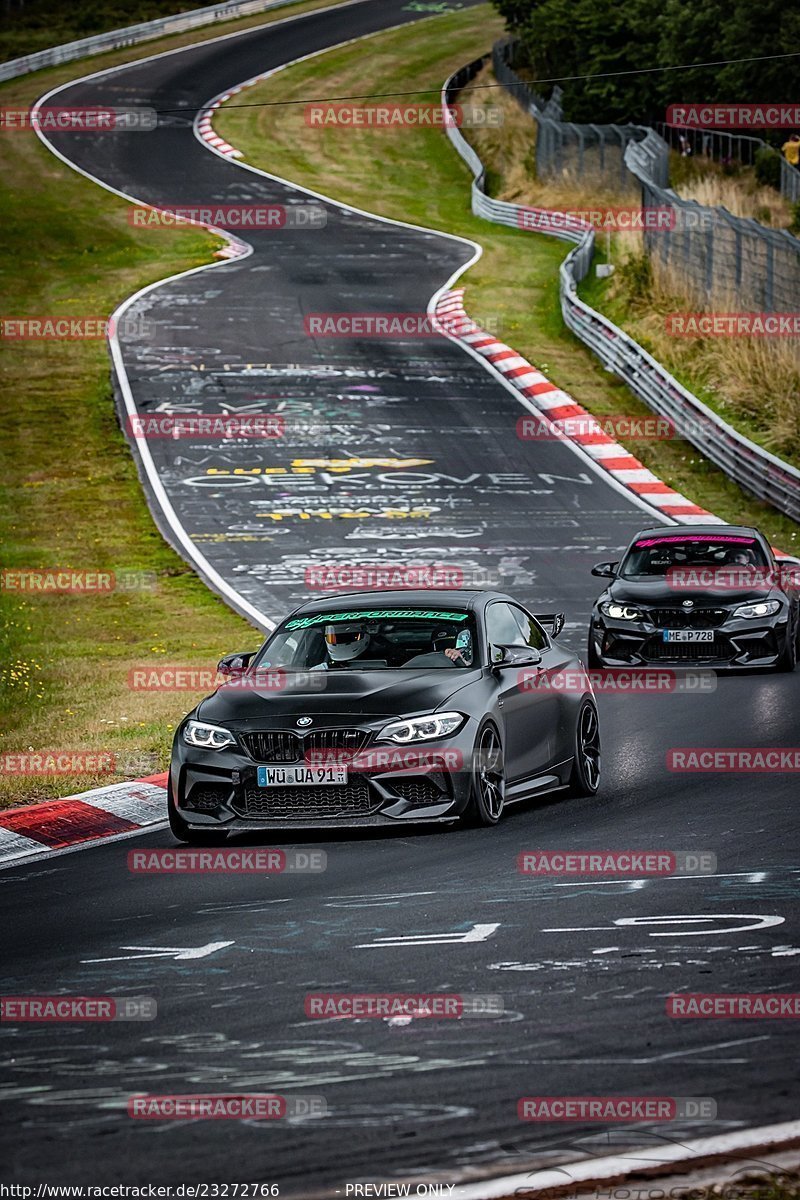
{"points": [[688, 635], [301, 776]]}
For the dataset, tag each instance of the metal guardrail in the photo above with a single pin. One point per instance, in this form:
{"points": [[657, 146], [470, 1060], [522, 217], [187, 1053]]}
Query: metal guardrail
{"points": [[753, 468], [131, 35], [716, 253]]}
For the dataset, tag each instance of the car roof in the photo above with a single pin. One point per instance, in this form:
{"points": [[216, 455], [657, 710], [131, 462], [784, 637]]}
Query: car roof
{"points": [[463, 599], [711, 530]]}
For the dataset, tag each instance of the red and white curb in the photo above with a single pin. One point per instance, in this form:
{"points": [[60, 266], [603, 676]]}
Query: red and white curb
{"points": [[559, 408], [206, 130], [108, 813]]}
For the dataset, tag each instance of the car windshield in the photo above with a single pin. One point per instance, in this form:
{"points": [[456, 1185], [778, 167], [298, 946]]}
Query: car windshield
{"points": [[666, 554], [373, 640]]}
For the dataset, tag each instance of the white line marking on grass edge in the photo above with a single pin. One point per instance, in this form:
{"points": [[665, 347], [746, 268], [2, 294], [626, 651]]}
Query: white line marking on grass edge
{"points": [[637, 1160], [194, 555]]}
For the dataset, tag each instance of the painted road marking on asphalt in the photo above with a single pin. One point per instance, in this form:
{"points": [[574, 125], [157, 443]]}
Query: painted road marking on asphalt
{"points": [[179, 953], [478, 933], [757, 922], [376, 901], [748, 876]]}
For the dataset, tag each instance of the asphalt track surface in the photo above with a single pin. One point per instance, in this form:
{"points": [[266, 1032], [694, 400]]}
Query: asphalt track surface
{"points": [[582, 972]]}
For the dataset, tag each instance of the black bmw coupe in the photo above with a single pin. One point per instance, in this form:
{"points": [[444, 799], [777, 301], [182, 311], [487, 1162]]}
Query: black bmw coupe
{"points": [[384, 708], [712, 595]]}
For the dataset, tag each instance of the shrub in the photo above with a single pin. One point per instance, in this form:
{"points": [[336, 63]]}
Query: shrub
{"points": [[767, 163]]}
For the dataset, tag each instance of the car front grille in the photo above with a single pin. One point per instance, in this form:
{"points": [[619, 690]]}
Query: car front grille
{"points": [[417, 791], [283, 746], [206, 797], [297, 803], [687, 618], [657, 651]]}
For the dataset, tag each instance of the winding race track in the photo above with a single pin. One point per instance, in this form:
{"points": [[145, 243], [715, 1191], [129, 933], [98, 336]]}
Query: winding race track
{"points": [[393, 452]]}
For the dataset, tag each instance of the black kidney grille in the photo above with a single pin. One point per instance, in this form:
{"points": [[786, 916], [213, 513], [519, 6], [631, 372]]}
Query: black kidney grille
{"points": [[282, 746], [274, 746]]}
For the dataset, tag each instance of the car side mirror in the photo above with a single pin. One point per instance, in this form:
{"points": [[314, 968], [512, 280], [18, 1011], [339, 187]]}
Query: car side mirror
{"points": [[606, 570], [554, 620], [515, 655], [234, 664], [788, 573]]}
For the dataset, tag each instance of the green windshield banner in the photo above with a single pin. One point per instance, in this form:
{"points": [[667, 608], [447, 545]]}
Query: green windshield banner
{"points": [[376, 614]]}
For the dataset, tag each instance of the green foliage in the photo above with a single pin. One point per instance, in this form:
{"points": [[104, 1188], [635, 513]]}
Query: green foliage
{"points": [[637, 275], [563, 38], [767, 165]]}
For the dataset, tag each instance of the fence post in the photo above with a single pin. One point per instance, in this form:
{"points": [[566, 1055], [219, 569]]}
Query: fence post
{"points": [[769, 289]]}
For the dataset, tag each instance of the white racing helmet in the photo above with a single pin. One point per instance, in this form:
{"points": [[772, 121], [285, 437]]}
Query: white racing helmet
{"points": [[346, 642]]}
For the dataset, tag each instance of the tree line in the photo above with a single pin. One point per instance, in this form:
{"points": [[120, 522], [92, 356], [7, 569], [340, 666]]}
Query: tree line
{"points": [[604, 39]]}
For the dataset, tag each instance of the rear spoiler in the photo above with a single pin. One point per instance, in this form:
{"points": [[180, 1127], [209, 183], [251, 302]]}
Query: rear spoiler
{"points": [[554, 620]]}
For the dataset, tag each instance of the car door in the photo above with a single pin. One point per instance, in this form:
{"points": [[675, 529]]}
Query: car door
{"points": [[555, 686], [527, 712]]}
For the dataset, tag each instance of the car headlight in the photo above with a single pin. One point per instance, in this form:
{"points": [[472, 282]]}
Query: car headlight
{"points": [[621, 612], [209, 737], [761, 608], [422, 729]]}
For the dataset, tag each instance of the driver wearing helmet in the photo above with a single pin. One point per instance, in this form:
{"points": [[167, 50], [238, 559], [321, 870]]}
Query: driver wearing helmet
{"points": [[344, 644]]}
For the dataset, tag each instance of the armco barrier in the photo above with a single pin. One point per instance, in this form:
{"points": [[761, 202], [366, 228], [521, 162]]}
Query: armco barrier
{"points": [[752, 467], [116, 39]]}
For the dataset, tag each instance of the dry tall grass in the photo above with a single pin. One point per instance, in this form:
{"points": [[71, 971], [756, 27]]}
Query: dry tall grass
{"points": [[753, 381], [742, 194]]}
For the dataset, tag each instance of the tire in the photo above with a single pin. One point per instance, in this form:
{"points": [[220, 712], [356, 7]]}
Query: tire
{"points": [[593, 659], [191, 837], [487, 798], [788, 658], [585, 777]]}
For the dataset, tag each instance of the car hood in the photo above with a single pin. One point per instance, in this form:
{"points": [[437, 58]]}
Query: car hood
{"points": [[358, 694], [659, 592]]}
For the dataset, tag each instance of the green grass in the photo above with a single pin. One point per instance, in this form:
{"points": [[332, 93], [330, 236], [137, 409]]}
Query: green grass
{"points": [[416, 175], [69, 491]]}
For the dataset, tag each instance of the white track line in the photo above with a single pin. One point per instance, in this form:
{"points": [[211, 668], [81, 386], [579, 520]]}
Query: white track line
{"points": [[194, 556]]}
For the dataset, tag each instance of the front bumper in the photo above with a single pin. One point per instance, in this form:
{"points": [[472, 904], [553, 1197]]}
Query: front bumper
{"points": [[220, 790], [736, 644]]}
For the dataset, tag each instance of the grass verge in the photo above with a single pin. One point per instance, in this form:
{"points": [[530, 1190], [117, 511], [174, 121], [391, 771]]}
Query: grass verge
{"points": [[69, 491], [414, 174]]}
